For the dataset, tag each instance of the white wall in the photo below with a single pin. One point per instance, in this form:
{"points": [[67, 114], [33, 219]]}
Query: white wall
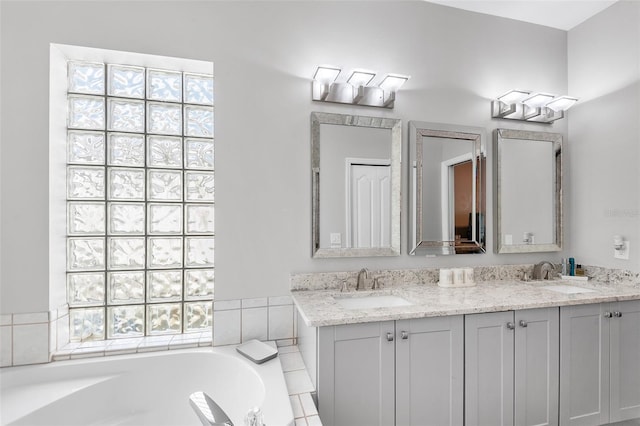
{"points": [[265, 54], [604, 137]]}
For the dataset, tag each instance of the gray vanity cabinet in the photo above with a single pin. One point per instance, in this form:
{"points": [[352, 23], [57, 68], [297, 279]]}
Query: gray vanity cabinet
{"points": [[511, 368], [429, 371], [356, 374], [407, 372], [600, 363]]}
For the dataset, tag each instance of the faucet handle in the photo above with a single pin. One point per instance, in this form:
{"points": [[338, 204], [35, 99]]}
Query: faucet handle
{"points": [[343, 286], [376, 284]]}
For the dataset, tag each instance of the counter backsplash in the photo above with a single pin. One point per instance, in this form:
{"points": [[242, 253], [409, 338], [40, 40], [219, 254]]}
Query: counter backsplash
{"points": [[425, 276]]}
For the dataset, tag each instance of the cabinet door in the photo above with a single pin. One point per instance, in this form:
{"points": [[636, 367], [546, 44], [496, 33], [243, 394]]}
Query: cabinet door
{"points": [[489, 369], [537, 346], [625, 360], [584, 365], [356, 374], [430, 371]]}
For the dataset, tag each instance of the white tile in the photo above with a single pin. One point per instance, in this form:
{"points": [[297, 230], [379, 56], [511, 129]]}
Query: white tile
{"points": [[62, 311], [87, 353], [280, 300], [5, 346], [284, 342], [308, 405], [53, 336], [291, 361], [254, 324], [185, 345], [128, 342], [298, 382], [115, 350], [288, 349], [90, 344], [30, 344], [182, 339], [314, 421], [226, 327], [62, 332], [31, 318], [280, 322], [296, 406], [256, 302], [5, 319], [61, 357], [225, 305], [153, 347], [301, 422], [206, 338]]}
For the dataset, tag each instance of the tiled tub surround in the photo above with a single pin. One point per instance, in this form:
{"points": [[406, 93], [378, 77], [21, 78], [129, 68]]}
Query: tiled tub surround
{"points": [[35, 338], [500, 289]]}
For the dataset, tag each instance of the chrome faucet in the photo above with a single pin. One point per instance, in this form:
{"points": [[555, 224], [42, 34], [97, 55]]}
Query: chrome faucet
{"points": [[209, 413], [363, 279], [543, 271]]}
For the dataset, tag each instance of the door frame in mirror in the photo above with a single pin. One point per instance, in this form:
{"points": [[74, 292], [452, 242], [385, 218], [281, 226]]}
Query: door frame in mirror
{"points": [[475, 135], [501, 136], [393, 124]]}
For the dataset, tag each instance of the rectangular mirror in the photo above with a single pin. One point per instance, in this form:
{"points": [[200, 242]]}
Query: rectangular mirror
{"points": [[447, 189], [355, 164], [528, 191]]}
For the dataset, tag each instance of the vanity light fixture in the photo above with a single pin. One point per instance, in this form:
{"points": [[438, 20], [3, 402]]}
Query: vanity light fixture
{"points": [[356, 90], [324, 76], [525, 105]]}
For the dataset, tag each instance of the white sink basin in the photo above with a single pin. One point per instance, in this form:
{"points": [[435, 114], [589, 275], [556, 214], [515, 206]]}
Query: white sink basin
{"points": [[372, 301], [568, 289]]}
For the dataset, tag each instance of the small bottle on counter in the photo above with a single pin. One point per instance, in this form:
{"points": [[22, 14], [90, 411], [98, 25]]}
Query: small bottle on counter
{"points": [[579, 271], [564, 266], [572, 266]]}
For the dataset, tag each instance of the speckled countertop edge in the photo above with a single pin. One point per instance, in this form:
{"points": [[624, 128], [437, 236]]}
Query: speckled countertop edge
{"points": [[319, 307]]}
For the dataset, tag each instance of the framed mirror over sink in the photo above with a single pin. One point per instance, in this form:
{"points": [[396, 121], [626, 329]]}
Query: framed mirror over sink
{"points": [[528, 176], [447, 175], [355, 166]]}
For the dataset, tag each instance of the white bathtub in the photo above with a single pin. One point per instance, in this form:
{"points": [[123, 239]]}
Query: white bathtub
{"points": [[143, 389]]}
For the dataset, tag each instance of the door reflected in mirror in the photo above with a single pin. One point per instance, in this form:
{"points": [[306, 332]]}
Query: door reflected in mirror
{"points": [[528, 191], [447, 189], [356, 185]]}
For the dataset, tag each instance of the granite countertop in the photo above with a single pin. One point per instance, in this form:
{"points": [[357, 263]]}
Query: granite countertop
{"points": [[320, 308]]}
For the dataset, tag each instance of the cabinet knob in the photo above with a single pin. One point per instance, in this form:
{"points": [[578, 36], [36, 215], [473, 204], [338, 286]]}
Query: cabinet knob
{"points": [[511, 325], [389, 337], [617, 314], [404, 335], [523, 323], [608, 314]]}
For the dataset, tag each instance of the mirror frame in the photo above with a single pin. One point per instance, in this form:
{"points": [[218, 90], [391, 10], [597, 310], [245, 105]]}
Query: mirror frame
{"points": [[501, 136], [395, 125], [417, 131]]}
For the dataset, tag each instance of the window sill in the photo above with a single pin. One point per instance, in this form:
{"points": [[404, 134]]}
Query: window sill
{"points": [[133, 345]]}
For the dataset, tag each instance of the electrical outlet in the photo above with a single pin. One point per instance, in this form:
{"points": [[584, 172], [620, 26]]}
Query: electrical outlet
{"points": [[622, 253], [335, 238]]}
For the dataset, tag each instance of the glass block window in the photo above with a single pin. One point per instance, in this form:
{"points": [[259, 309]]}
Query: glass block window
{"points": [[140, 201]]}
